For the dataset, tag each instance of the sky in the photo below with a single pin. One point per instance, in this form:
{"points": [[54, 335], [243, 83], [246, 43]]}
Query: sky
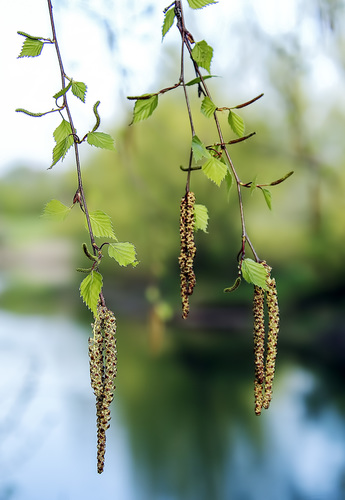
{"points": [[112, 67]]}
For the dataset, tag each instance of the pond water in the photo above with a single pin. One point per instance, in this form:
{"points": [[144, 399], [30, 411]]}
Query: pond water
{"points": [[182, 428]]}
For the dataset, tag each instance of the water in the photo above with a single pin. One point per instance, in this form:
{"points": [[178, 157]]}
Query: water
{"points": [[182, 426]]}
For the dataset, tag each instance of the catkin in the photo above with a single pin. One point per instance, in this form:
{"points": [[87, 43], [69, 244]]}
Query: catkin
{"points": [[103, 359], [272, 338], [259, 347], [188, 250], [265, 368]]}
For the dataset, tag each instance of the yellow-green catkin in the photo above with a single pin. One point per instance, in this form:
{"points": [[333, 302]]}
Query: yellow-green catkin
{"points": [[103, 359], [265, 361], [188, 250], [272, 339], [259, 347]]}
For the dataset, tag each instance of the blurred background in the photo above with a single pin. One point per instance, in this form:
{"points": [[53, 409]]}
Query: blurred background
{"points": [[183, 424]]}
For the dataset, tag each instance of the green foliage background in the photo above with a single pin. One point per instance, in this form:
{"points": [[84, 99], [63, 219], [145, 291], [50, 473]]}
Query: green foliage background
{"points": [[140, 187]]}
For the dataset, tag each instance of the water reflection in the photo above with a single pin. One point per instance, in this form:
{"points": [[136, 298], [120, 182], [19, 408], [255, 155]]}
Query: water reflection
{"points": [[183, 424]]}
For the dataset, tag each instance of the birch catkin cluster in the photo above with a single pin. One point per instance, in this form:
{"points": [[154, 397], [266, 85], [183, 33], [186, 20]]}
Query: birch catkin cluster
{"points": [[188, 250], [102, 355], [265, 368]]}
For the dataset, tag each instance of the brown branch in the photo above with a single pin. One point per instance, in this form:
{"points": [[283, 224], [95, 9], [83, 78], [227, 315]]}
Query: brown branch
{"points": [[80, 190]]}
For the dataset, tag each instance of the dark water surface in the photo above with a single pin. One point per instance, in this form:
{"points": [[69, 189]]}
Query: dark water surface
{"points": [[183, 423]]}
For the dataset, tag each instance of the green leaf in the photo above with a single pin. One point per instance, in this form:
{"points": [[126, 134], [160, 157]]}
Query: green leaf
{"points": [[90, 288], [101, 224], [199, 149], [123, 253], [144, 108], [101, 140], [236, 123], [62, 91], [31, 48], [61, 148], [202, 54], [255, 273], [62, 131], [198, 80], [79, 90], [268, 197], [199, 4], [215, 170], [208, 107], [201, 217], [56, 210], [168, 21]]}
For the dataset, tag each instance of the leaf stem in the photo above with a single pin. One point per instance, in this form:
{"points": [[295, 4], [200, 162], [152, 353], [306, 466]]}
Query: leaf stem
{"points": [[65, 105]]}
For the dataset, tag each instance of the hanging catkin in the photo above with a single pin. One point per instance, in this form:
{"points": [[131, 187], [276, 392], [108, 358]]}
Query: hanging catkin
{"points": [[265, 359], [103, 358], [188, 250], [259, 347], [272, 338]]}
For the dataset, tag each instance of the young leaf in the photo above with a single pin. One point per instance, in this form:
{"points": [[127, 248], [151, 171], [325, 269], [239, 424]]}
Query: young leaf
{"points": [[201, 218], [215, 170], [62, 131], [101, 140], [199, 149], [268, 197], [101, 224], [31, 48], [90, 288], [62, 91], [144, 108], [208, 107], [198, 80], [236, 123], [199, 4], [123, 253], [56, 210], [168, 21], [255, 273], [202, 54], [61, 148], [79, 90]]}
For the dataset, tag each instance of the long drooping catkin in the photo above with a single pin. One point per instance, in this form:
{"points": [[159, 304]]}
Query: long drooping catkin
{"points": [[259, 347], [272, 338], [188, 250], [103, 358], [265, 368]]}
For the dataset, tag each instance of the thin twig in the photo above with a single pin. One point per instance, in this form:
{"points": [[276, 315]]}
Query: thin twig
{"points": [[222, 144], [65, 105]]}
